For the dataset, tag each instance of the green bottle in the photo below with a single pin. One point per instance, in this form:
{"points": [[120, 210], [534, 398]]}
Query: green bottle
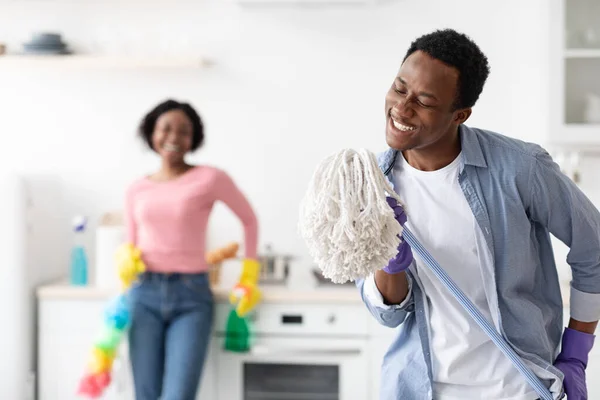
{"points": [[237, 333]]}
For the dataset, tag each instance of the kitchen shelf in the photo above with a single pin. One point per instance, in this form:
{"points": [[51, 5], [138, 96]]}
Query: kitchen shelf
{"points": [[102, 62], [582, 53]]}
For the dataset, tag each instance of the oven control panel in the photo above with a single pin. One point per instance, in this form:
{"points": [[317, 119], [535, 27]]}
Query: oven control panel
{"points": [[321, 319]]}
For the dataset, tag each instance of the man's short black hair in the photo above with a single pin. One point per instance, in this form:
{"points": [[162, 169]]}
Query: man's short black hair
{"points": [[459, 51], [146, 129]]}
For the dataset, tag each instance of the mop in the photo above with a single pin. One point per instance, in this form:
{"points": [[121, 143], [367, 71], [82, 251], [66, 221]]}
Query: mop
{"points": [[351, 232]]}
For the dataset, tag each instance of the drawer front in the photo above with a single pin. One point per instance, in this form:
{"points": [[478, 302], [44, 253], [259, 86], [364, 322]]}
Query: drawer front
{"points": [[72, 315]]}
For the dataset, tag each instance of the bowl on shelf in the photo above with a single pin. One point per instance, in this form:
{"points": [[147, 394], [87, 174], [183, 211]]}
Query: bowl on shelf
{"points": [[45, 43]]}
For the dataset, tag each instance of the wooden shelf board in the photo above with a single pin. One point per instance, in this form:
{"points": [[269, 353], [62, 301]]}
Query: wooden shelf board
{"points": [[100, 61]]}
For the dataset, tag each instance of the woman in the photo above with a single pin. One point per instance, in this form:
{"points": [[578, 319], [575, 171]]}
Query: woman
{"points": [[166, 216]]}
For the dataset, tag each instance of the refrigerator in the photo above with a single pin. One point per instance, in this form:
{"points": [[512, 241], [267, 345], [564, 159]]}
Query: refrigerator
{"points": [[34, 245]]}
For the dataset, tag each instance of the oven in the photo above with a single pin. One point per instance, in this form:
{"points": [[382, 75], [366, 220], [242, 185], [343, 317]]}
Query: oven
{"points": [[299, 352]]}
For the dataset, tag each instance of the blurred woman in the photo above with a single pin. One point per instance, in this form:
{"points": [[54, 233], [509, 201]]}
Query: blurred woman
{"points": [[166, 216]]}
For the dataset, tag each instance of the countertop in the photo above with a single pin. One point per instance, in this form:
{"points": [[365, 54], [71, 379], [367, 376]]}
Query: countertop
{"points": [[271, 294]]}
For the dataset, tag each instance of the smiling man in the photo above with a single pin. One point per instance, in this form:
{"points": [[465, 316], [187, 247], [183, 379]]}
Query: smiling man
{"points": [[484, 205]]}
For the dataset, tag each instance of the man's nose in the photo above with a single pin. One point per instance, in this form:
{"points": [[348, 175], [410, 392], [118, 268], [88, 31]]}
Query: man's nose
{"points": [[403, 109]]}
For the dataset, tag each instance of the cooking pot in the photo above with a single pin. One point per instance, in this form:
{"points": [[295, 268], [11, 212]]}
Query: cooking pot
{"points": [[275, 268]]}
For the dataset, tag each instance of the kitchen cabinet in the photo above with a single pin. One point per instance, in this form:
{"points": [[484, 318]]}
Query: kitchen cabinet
{"points": [[67, 328], [66, 332], [574, 37], [323, 328], [315, 327]]}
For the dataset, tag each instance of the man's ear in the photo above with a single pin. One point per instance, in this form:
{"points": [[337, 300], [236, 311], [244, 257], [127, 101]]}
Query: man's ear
{"points": [[460, 116]]}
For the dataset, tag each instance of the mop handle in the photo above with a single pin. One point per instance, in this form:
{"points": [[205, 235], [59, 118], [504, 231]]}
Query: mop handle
{"points": [[508, 351]]}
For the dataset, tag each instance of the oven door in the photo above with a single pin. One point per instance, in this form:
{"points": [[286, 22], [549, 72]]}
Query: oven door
{"points": [[297, 368]]}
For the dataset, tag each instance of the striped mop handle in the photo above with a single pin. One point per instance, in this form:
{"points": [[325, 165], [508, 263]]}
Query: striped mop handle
{"points": [[508, 351]]}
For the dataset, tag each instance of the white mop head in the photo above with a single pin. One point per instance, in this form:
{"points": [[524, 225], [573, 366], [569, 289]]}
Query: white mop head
{"points": [[348, 226]]}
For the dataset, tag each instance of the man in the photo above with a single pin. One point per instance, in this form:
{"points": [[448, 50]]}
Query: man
{"points": [[484, 206]]}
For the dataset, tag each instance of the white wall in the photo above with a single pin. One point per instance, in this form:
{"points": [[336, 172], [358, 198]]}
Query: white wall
{"points": [[289, 86]]}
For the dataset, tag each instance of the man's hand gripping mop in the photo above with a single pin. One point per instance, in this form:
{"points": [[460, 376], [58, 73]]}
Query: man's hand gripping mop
{"points": [[350, 218]]}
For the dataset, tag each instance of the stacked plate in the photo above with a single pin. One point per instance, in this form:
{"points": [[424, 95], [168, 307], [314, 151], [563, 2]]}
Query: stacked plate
{"points": [[45, 43]]}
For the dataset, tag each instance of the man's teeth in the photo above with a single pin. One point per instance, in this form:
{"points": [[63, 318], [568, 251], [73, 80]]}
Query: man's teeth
{"points": [[169, 147], [403, 128]]}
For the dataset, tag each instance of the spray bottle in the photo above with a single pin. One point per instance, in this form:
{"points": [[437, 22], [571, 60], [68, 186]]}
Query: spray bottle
{"points": [[79, 259]]}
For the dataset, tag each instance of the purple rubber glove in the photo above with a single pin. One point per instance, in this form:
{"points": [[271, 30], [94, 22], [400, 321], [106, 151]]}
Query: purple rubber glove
{"points": [[404, 257], [572, 362]]}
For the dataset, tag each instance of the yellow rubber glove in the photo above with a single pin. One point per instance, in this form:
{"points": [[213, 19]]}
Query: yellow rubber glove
{"points": [[246, 293], [129, 264]]}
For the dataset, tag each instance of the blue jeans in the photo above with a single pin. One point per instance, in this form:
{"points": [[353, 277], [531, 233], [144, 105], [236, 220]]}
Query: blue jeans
{"points": [[169, 334]]}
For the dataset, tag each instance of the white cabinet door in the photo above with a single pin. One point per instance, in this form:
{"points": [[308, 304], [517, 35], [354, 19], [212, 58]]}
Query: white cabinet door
{"points": [[67, 329], [66, 333]]}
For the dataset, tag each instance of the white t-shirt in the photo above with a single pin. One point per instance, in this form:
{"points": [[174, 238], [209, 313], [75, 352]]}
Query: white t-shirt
{"points": [[467, 365]]}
